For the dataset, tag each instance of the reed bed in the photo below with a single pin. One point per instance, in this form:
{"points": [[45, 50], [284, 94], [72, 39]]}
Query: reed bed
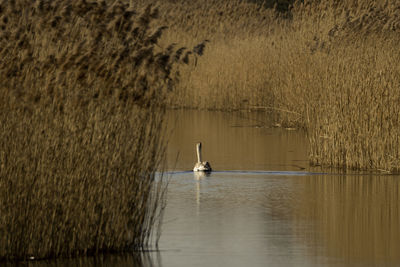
{"points": [[329, 68], [82, 99]]}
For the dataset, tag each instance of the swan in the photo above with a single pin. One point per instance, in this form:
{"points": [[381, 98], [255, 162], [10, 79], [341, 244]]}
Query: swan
{"points": [[201, 166]]}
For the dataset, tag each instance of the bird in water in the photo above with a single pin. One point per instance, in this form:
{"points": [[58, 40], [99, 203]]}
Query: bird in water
{"points": [[201, 166]]}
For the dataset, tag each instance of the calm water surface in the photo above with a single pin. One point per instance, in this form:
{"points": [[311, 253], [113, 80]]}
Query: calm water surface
{"points": [[263, 205]]}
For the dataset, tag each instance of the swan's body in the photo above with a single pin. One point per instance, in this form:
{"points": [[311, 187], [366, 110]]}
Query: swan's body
{"points": [[201, 166]]}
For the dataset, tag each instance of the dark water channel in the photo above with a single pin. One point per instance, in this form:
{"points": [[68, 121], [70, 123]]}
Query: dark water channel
{"points": [[263, 205]]}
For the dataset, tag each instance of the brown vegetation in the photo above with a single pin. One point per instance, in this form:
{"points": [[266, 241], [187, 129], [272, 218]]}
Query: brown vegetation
{"points": [[82, 89], [329, 68]]}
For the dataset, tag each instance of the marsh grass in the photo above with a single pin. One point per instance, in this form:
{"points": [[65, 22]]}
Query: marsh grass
{"points": [[78, 183], [82, 98], [329, 68]]}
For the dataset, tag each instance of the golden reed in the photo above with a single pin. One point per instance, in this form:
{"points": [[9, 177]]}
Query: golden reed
{"points": [[82, 98]]}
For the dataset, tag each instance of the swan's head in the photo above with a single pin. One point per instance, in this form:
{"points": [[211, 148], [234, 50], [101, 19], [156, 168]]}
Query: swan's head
{"points": [[198, 145]]}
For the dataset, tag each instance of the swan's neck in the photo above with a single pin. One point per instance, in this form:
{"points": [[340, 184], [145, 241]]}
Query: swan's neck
{"points": [[198, 153]]}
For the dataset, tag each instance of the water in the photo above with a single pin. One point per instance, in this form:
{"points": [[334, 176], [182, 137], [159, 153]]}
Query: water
{"points": [[263, 205], [233, 141]]}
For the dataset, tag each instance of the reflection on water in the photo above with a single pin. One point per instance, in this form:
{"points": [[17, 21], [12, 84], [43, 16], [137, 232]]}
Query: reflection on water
{"points": [[279, 215], [120, 260], [356, 218], [226, 220], [234, 219]]}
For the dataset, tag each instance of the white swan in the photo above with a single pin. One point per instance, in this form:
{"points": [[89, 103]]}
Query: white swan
{"points": [[201, 166]]}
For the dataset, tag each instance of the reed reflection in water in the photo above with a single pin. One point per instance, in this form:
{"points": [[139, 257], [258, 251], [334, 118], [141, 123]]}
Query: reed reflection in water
{"points": [[121, 260], [255, 219], [356, 218]]}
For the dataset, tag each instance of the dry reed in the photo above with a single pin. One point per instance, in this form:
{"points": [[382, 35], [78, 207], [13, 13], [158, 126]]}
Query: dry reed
{"points": [[329, 68], [82, 90]]}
